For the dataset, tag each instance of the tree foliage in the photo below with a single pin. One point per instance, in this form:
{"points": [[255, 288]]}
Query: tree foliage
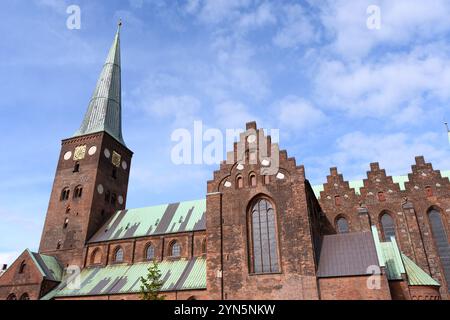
{"points": [[151, 284]]}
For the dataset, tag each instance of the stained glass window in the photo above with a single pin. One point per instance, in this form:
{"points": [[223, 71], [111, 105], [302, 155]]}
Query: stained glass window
{"points": [[388, 226], [265, 251], [342, 225], [441, 242]]}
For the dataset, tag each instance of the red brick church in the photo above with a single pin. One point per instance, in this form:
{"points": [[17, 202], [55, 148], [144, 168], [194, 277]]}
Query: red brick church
{"points": [[255, 236]]}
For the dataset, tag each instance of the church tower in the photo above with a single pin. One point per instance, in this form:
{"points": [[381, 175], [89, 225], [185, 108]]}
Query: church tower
{"points": [[93, 169]]}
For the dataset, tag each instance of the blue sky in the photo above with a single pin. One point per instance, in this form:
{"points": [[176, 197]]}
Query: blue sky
{"points": [[341, 94]]}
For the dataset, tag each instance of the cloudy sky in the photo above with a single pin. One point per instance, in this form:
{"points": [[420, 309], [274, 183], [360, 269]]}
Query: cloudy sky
{"points": [[341, 94]]}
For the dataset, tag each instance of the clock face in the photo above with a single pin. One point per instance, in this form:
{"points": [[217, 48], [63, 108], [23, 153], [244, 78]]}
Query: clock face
{"points": [[124, 165], [100, 189], [116, 158], [68, 155], [92, 150], [80, 153], [107, 153], [120, 199]]}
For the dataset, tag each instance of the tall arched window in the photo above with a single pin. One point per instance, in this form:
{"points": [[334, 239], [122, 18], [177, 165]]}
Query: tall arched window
{"points": [[204, 246], [342, 225], [441, 241], [264, 238], [175, 249], [118, 256], [387, 226], [78, 192], [25, 296], [150, 252]]}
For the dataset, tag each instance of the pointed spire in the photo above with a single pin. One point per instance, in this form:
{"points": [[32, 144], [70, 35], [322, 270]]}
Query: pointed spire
{"points": [[105, 108], [448, 131]]}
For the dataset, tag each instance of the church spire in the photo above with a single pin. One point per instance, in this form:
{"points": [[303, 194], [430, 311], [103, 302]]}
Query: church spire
{"points": [[105, 108]]}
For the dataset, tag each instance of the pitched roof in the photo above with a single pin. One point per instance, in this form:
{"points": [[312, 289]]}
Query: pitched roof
{"points": [[163, 219], [348, 254], [177, 275], [416, 276], [47, 265], [392, 260], [105, 108]]}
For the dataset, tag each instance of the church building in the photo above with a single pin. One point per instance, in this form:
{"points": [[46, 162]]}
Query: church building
{"points": [[255, 235]]}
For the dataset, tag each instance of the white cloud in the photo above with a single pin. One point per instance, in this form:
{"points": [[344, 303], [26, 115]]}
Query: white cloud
{"points": [[297, 28], [386, 87], [262, 16], [395, 152], [233, 115], [297, 114], [182, 109]]}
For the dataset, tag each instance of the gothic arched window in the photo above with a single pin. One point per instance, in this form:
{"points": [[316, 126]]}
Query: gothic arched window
{"points": [[118, 256], [65, 194], [342, 225], [78, 192], [441, 241], [387, 226], [175, 249], [252, 180], [264, 249], [239, 182], [150, 252]]}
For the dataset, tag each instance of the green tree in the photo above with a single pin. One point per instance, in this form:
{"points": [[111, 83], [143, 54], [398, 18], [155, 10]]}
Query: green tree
{"points": [[151, 284]]}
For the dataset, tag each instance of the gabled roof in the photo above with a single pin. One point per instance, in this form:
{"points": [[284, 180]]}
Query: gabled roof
{"points": [[177, 275], [416, 276], [163, 219], [48, 266], [348, 254]]}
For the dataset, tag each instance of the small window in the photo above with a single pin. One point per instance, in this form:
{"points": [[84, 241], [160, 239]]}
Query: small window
{"points": [[175, 250], [25, 296], [58, 245], [66, 223], [65, 194], [204, 246], [381, 196], [23, 267], [239, 182], [266, 179], [252, 180], [429, 191], [96, 257], [76, 168], [11, 297], [337, 201], [78, 192], [150, 252], [67, 209], [113, 199], [107, 196], [118, 256], [342, 225], [114, 173]]}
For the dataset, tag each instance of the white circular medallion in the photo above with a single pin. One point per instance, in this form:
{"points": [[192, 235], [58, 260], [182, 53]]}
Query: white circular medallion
{"points": [[265, 163], [240, 167], [100, 189], [280, 176], [251, 138], [120, 199], [92, 150], [107, 153], [68, 155], [227, 184], [124, 165]]}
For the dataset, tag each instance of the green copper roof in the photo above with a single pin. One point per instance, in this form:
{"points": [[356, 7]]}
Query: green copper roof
{"points": [[416, 276], [48, 266], [163, 219], [177, 275], [392, 260], [105, 108]]}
